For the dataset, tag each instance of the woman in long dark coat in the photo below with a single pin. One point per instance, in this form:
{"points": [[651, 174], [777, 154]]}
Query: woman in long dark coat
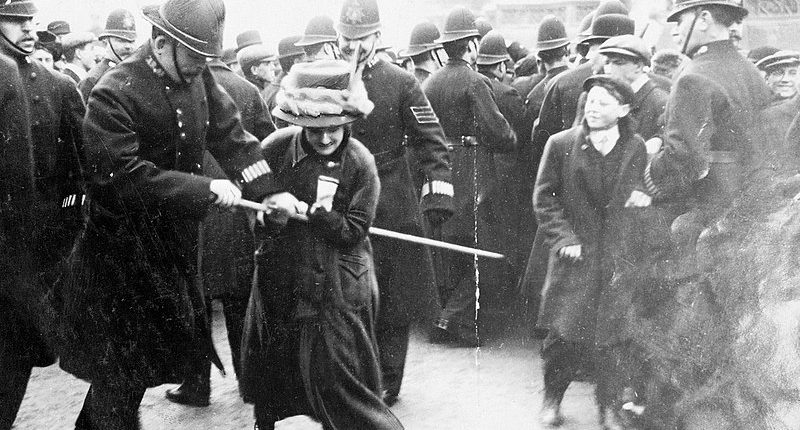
{"points": [[588, 175], [309, 344]]}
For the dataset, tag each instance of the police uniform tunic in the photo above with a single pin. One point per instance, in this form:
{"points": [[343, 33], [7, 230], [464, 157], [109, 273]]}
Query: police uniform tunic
{"points": [[475, 130], [131, 309]]}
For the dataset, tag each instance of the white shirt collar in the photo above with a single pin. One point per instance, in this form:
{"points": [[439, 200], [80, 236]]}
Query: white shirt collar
{"points": [[604, 140], [639, 82], [79, 71]]}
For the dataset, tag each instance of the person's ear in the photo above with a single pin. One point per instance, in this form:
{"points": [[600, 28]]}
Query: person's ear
{"points": [[624, 110], [254, 69], [160, 42], [704, 21]]}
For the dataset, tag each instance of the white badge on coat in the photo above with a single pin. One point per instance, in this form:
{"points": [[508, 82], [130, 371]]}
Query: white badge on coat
{"points": [[326, 189]]}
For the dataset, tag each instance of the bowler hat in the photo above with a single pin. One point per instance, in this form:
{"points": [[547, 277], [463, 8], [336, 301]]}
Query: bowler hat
{"points": [[247, 38], [120, 24], [317, 94], [683, 5], [250, 55], [622, 88], [287, 47], [551, 34], [780, 58], [195, 24], [359, 18], [607, 26], [78, 38], [627, 45], [460, 24], [18, 8], [319, 30], [423, 39], [492, 49]]}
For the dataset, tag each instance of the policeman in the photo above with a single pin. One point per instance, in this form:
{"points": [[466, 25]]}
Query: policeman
{"points": [[56, 113], [319, 39], [423, 50], [78, 54], [119, 37], [475, 130], [20, 335], [706, 150], [133, 314], [626, 59], [504, 197], [226, 256], [258, 63], [402, 125]]}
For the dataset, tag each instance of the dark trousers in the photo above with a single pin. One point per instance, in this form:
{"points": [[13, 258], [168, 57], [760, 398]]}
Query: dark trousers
{"points": [[564, 362], [457, 295], [111, 406], [14, 375], [393, 347], [234, 309]]}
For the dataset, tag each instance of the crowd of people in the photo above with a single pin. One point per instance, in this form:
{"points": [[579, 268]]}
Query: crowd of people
{"points": [[621, 183]]}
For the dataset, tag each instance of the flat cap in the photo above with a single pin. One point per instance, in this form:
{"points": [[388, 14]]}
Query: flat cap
{"points": [[622, 88], [627, 45]]}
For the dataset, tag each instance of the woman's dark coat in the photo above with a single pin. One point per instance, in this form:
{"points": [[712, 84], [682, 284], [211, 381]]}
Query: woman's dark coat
{"points": [[577, 303], [312, 308]]}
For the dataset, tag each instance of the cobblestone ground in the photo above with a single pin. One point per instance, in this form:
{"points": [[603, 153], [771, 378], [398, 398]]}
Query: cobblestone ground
{"points": [[497, 386]]}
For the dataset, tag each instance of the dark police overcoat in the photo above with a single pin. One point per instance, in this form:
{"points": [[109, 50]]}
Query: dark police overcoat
{"points": [[131, 309], [403, 125]]}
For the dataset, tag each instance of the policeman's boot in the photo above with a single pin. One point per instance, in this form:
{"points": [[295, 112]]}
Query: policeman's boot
{"points": [[195, 389]]}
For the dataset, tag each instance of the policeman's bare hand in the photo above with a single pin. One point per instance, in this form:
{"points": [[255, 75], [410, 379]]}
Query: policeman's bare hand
{"points": [[437, 217], [638, 199], [227, 194], [573, 252]]}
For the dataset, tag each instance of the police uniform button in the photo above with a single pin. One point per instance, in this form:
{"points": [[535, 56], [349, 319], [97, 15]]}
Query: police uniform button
{"points": [[183, 135], [167, 88], [36, 98], [180, 124], [179, 111], [33, 75]]}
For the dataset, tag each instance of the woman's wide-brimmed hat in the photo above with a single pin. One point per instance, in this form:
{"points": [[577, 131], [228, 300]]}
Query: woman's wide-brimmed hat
{"points": [[319, 94]]}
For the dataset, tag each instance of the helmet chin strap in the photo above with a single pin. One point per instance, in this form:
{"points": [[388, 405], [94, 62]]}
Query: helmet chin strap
{"points": [[114, 51], [14, 47], [181, 78]]}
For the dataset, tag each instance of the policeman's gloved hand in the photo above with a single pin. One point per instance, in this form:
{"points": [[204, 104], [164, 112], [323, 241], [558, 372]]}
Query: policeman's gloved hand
{"points": [[437, 217]]}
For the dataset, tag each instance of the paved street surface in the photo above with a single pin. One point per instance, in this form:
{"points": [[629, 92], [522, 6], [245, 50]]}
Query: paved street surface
{"points": [[497, 386]]}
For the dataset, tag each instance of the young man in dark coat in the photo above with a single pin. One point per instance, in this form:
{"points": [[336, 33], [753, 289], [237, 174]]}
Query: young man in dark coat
{"points": [[119, 37], [585, 181], [21, 340], [226, 257], [133, 314], [782, 70], [401, 126], [626, 58], [56, 112], [475, 130]]}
